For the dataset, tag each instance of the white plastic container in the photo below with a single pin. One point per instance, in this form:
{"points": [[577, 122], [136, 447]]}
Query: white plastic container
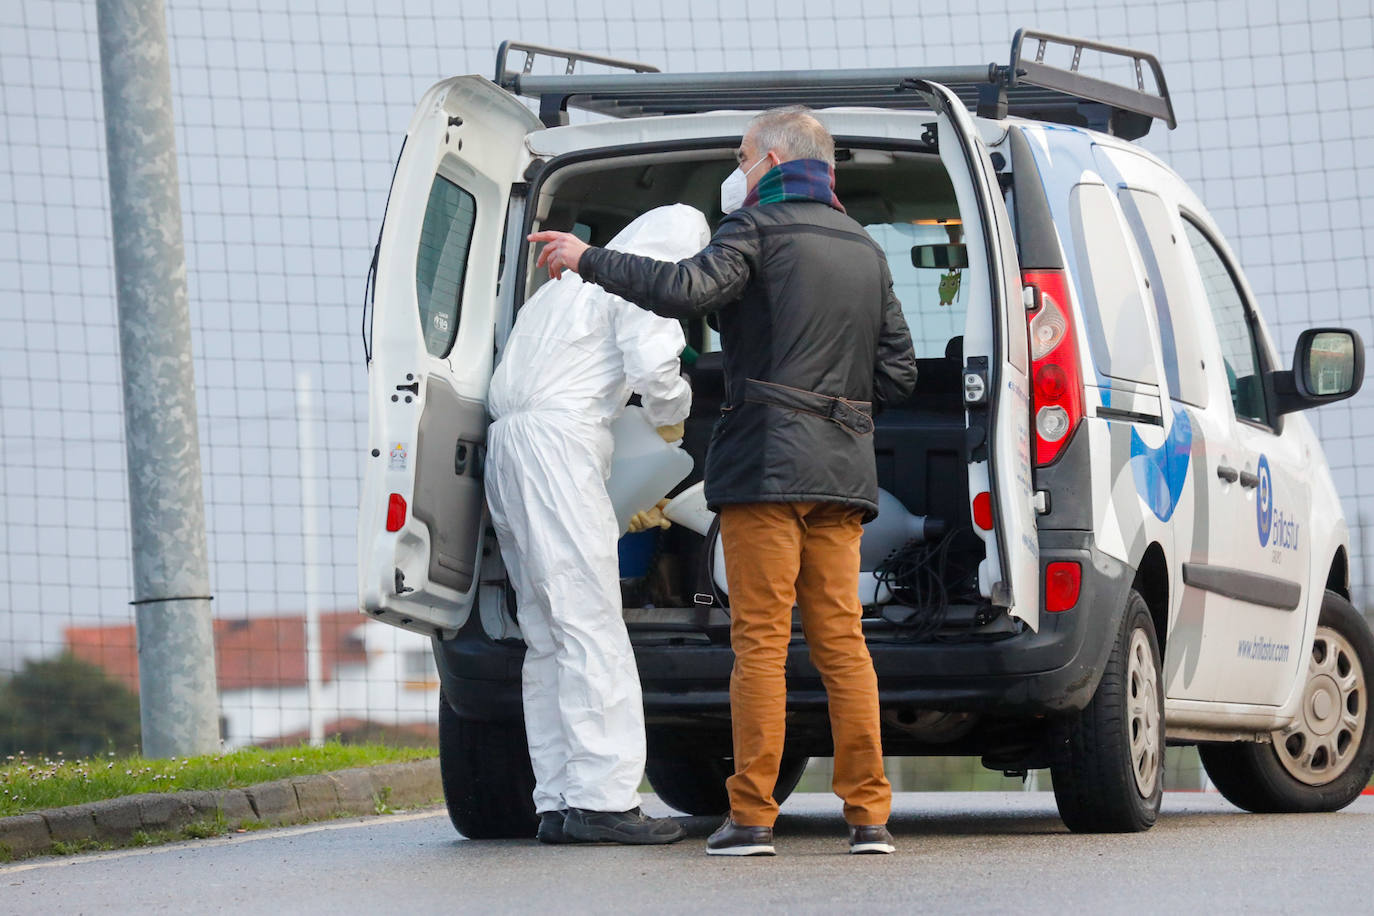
{"points": [[644, 467]]}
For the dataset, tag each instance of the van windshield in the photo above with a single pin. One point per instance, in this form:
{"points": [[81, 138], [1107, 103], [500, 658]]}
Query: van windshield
{"points": [[932, 299]]}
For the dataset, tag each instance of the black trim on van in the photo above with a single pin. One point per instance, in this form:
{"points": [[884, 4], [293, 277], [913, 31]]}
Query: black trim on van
{"points": [[1037, 243], [1242, 585]]}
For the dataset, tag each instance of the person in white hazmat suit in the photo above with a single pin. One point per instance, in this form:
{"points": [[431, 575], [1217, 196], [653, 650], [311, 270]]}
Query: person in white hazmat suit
{"points": [[575, 354]]}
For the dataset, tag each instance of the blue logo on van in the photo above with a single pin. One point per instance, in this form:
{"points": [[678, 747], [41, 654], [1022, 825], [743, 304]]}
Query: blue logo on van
{"points": [[1264, 502], [1160, 472]]}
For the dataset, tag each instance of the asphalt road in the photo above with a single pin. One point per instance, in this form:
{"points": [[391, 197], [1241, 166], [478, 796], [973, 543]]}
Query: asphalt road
{"points": [[957, 852]]}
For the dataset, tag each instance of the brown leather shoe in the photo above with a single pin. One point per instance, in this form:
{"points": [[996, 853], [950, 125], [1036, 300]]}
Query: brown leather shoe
{"points": [[864, 838], [733, 839]]}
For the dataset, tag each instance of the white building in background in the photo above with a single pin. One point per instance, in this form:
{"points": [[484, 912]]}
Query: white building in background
{"points": [[377, 681]]}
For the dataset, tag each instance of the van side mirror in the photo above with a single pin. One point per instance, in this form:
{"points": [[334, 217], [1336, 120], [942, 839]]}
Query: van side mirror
{"points": [[1328, 366], [940, 257]]}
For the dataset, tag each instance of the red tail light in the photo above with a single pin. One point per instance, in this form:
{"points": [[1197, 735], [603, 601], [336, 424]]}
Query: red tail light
{"points": [[1063, 579], [1056, 383], [395, 512], [982, 510]]}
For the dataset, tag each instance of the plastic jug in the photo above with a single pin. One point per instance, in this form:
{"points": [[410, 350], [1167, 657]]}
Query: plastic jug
{"points": [[644, 467]]}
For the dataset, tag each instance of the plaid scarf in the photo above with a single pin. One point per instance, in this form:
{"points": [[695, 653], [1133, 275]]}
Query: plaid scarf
{"points": [[798, 179]]}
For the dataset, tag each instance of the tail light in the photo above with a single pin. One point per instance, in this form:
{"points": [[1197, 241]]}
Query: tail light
{"points": [[1056, 382], [1063, 581], [395, 512]]}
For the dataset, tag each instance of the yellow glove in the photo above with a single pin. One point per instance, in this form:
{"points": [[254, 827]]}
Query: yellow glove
{"points": [[671, 433], [643, 521]]}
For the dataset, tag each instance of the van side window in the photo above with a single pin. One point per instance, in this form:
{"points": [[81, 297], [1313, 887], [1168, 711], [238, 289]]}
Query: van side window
{"points": [[1114, 314], [442, 262], [1234, 328], [1163, 254]]}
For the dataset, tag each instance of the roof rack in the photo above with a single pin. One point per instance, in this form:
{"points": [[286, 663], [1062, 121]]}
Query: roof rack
{"points": [[1025, 88]]}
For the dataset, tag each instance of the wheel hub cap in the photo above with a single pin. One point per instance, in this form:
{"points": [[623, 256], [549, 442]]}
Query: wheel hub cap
{"points": [[1147, 746], [1321, 743]]}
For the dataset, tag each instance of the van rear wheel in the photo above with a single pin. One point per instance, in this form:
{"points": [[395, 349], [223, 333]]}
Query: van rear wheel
{"points": [[694, 783], [1323, 760], [1110, 778], [486, 774]]}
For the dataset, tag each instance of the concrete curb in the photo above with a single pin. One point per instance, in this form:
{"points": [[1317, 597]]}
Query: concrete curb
{"points": [[363, 790]]}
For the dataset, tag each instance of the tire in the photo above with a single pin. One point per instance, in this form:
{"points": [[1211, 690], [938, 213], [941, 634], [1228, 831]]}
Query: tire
{"points": [[695, 783], [485, 770], [1110, 776], [1323, 761]]}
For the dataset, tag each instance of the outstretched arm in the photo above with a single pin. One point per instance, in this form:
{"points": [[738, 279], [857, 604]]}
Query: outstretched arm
{"points": [[690, 288]]}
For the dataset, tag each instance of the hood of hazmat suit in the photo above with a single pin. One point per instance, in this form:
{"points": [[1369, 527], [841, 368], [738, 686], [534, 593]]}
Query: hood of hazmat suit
{"points": [[575, 354], [577, 348]]}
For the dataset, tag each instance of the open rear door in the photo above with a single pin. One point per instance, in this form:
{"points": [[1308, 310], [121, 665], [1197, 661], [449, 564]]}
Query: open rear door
{"points": [[996, 370], [422, 509]]}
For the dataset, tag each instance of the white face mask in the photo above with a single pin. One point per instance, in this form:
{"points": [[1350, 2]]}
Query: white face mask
{"points": [[735, 188]]}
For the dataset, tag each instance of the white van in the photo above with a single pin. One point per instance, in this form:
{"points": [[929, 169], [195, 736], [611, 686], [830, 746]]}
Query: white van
{"points": [[1130, 539]]}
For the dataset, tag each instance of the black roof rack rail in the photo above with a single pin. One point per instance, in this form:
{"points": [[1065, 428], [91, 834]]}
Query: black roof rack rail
{"points": [[1123, 99], [505, 77], [1031, 89]]}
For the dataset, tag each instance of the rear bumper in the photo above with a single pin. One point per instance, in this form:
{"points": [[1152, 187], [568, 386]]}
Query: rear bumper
{"points": [[1031, 673]]}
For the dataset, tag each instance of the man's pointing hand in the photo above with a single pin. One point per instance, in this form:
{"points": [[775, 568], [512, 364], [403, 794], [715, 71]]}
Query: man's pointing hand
{"points": [[562, 251]]}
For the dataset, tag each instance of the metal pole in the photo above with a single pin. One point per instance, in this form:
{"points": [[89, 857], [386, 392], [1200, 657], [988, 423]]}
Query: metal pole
{"points": [[310, 536], [176, 655]]}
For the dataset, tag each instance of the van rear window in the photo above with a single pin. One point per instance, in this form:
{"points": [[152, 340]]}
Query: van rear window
{"points": [[442, 262], [1178, 330], [1115, 316]]}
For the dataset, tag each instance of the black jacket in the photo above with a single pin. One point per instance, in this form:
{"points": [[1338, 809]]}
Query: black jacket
{"points": [[812, 335]]}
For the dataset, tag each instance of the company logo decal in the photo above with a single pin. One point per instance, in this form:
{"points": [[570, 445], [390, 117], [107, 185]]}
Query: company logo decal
{"points": [[1283, 530], [1264, 502], [1160, 472]]}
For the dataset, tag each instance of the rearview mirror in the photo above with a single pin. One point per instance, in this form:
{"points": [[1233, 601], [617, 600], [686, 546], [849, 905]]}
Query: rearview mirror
{"points": [[939, 257], [1328, 366]]}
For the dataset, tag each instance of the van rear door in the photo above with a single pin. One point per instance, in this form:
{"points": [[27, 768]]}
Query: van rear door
{"points": [[439, 265], [996, 371]]}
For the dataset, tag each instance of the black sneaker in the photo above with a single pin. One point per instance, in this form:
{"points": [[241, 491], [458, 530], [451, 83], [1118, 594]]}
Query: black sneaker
{"points": [[551, 827], [870, 839], [733, 839], [631, 827]]}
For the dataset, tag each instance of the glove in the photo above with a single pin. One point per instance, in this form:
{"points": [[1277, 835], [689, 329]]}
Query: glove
{"points": [[643, 521], [671, 433]]}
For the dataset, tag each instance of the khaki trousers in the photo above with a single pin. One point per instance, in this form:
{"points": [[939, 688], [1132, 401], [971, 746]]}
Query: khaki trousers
{"points": [[807, 554]]}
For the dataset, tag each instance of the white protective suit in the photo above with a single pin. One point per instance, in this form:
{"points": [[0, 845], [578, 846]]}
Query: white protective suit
{"points": [[573, 358]]}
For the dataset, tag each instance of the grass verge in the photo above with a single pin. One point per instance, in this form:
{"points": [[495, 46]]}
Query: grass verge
{"points": [[34, 784]]}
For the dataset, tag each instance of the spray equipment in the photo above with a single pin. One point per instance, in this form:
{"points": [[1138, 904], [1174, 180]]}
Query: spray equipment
{"points": [[893, 529]]}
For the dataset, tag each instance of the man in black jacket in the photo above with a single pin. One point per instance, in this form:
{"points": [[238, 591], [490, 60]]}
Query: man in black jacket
{"points": [[813, 338]]}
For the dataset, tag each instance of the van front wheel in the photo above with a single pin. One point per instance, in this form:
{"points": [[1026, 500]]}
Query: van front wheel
{"points": [[1323, 760], [1110, 776]]}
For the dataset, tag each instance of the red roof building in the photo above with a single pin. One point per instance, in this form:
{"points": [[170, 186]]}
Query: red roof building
{"points": [[249, 652]]}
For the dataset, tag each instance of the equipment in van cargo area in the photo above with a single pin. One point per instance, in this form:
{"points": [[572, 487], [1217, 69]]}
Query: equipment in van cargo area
{"points": [[885, 537], [1141, 538]]}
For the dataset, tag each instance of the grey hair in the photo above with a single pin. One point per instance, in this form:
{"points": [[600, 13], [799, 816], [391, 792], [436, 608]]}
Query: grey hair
{"points": [[793, 133]]}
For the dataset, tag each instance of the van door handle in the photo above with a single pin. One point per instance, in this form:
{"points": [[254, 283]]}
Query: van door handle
{"points": [[1249, 481], [1230, 475]]}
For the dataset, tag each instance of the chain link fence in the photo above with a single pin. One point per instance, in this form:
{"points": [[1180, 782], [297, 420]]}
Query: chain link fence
{"points": [[289, 121]]}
